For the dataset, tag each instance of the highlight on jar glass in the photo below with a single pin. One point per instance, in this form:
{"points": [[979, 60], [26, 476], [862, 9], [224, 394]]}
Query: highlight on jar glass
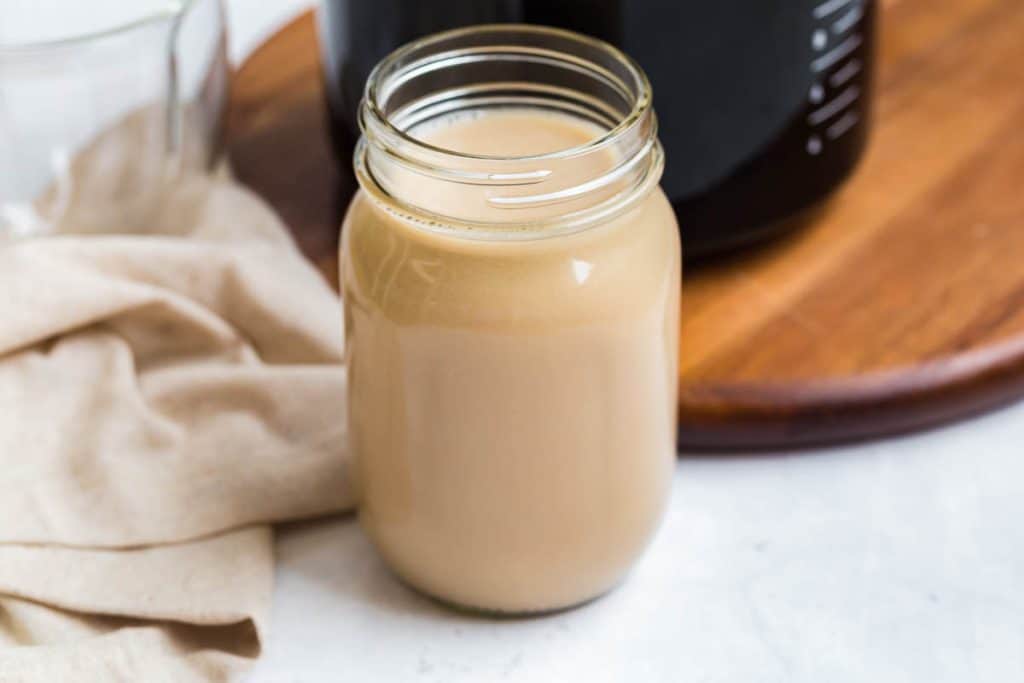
{"points": [[510, 272]]}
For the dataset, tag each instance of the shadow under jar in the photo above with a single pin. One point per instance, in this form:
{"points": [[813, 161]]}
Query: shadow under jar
{"points": [[511, 275]]}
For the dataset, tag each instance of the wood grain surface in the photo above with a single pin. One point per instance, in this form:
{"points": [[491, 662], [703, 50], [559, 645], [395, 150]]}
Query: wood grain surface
{"points": [[901, 306]]}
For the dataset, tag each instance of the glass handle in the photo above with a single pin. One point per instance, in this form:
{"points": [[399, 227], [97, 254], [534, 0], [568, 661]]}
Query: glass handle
{"points": [[174, 115]]}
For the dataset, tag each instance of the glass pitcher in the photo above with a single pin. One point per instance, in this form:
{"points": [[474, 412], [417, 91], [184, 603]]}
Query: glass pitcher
{"points": [[105, 106]]}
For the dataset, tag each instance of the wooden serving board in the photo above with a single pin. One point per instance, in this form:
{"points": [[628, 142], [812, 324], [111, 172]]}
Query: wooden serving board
{"points": [[902, 306]]}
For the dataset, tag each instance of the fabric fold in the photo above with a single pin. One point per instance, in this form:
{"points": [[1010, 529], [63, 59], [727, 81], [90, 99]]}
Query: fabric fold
{"points": [[163, 398]]}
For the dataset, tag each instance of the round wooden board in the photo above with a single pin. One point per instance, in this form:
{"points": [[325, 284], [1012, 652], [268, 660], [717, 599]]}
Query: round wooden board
{"points": [[901, 306]]}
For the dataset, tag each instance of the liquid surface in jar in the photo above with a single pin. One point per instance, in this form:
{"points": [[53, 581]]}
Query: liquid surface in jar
{"points": [[512, 403], [509, 133]]}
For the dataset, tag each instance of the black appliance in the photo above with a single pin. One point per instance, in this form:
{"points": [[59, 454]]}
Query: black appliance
{"points": [[763, 105]]}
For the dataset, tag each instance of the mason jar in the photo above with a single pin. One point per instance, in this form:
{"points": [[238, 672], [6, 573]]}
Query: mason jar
{"points": [[510, 273]]}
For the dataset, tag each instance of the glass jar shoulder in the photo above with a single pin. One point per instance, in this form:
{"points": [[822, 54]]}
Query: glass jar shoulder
{"points": [[415, 276]]}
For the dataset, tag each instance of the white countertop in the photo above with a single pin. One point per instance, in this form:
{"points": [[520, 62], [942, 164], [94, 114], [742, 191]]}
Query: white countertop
{"points": [[896, 560], [893, 560]]}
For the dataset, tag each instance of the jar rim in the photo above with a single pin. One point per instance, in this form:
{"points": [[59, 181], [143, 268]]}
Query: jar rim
{"points": [[585, 77], [642, 104]]}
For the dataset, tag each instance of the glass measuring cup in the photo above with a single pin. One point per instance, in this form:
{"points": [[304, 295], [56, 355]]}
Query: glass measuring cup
{"points": [[105, 106]]}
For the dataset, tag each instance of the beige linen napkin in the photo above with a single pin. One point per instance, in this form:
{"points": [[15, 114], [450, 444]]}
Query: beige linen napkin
{"points": [[162, 399]]}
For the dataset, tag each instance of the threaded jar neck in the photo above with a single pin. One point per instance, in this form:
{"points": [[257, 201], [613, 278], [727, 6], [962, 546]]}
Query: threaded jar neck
{"points": [[508, 67]]}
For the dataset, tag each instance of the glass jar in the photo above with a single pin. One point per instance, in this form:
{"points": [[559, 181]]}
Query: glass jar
{"points": [[511, 272], [104, 107]]}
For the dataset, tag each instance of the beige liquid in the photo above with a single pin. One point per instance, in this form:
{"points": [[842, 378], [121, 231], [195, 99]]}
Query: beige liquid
{"points": [[512, 403]]}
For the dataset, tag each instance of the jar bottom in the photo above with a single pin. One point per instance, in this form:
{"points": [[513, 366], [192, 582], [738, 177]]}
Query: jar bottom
{"points": [[496, 613], [494, 603]]}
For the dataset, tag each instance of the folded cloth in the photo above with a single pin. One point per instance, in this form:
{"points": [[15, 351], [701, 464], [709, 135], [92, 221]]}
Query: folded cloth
{"points": [[163, 398]]}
